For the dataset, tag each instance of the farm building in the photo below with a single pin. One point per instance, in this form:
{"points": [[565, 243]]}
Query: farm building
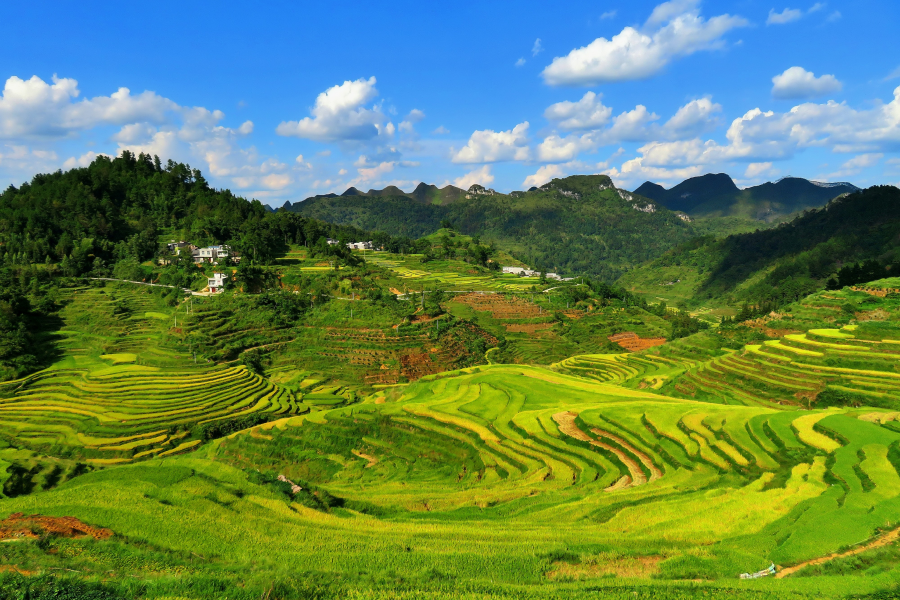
{"points": [[217, 282], [211, 254], [360, 245]]}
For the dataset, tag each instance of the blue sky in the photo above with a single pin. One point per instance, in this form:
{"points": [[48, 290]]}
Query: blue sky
{"points": [[280, 101]]}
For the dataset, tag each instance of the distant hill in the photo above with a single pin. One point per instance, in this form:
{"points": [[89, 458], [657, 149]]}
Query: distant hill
{"points": [[580, 224], [716, 194], [425, 193], [782, 263]]}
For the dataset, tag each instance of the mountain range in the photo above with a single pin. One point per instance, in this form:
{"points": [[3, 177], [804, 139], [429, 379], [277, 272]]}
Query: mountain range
{"points": [[579, 224], [715, 195]]}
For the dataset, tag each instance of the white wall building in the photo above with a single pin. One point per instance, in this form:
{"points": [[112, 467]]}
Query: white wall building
{"points": [[217, 282]]}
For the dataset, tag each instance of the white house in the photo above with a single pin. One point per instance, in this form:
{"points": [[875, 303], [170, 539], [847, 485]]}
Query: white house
{"points": [[514, 270], [217, 282], [210, 254], [360, 245], [331, 242]]}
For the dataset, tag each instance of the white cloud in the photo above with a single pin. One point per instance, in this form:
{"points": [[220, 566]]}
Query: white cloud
{"points": [[856, 164], [487, 146], [34, 108], [760, 137], [637, 125], [797, 82], [834, 17], [520, 62], [610, 14], [342, 172], [340, 115], [674, 29], [754, 170], [692, 119], [587, 113], [543, 175], [82, 161], [560, 149], [634, 172], [481, 176], [407, 125], [441, 131], [785, 16], [536, 48], [22, 159], [816, 7], [301, 162]]}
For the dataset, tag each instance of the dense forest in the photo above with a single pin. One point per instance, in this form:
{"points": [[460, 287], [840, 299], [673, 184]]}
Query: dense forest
{"points": [[577, 225], [116, 210]]}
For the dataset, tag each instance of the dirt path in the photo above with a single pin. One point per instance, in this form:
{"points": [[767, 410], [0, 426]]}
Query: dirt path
{"points": [[884, 540], [566, 422], [655, 472], [372, 460]]}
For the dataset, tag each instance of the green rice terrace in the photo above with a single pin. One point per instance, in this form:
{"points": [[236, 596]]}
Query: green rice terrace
{"points": [[414, 423], [205, 456]]}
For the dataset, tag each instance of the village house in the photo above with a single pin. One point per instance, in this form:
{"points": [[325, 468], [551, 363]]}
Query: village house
{"points": [[361, 245], [332, 242], [210, 254], [216, 283]]}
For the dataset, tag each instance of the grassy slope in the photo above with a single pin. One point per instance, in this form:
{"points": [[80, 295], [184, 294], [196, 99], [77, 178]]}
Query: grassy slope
{"points": [[467, 481]]}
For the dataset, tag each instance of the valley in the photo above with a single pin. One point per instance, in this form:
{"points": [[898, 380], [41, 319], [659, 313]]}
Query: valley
{"points": [[653, 411]]}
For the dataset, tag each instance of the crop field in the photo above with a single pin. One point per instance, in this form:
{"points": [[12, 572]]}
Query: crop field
{"points": [[517, 481], [123, 388], [363, 457], [450, 275]]}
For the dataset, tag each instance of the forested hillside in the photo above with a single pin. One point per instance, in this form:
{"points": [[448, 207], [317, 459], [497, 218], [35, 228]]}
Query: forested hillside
{"points": [[115, 210], [789, 261], [577, 225]]}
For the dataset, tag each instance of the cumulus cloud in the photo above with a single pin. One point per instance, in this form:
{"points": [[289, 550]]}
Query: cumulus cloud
{"points": [[340, 114], [33, 108], [536, 48], [755, 170], [441, 130], [587, 113], [520, 62], [407, 125], [487, 146], [855, 165], [783, 17], [20, 158], [610, 14], [797, 82], [481, 176], [673, 30], [543, 175], [763, 137], [694, 118], [587, 117], [82, 161]]}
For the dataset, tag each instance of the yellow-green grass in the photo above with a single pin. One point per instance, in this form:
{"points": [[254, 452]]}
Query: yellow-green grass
{"points": [[477, 474]]}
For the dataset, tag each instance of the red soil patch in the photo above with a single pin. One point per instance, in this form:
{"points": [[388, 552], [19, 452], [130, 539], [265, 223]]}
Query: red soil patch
{"points": [[527, 327], [501, 307], [633, 342], [18, 525]]}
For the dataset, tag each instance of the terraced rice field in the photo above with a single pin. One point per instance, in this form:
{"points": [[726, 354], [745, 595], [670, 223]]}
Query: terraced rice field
{"points": [[522, 445], [409, 270], [124, 412]]}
